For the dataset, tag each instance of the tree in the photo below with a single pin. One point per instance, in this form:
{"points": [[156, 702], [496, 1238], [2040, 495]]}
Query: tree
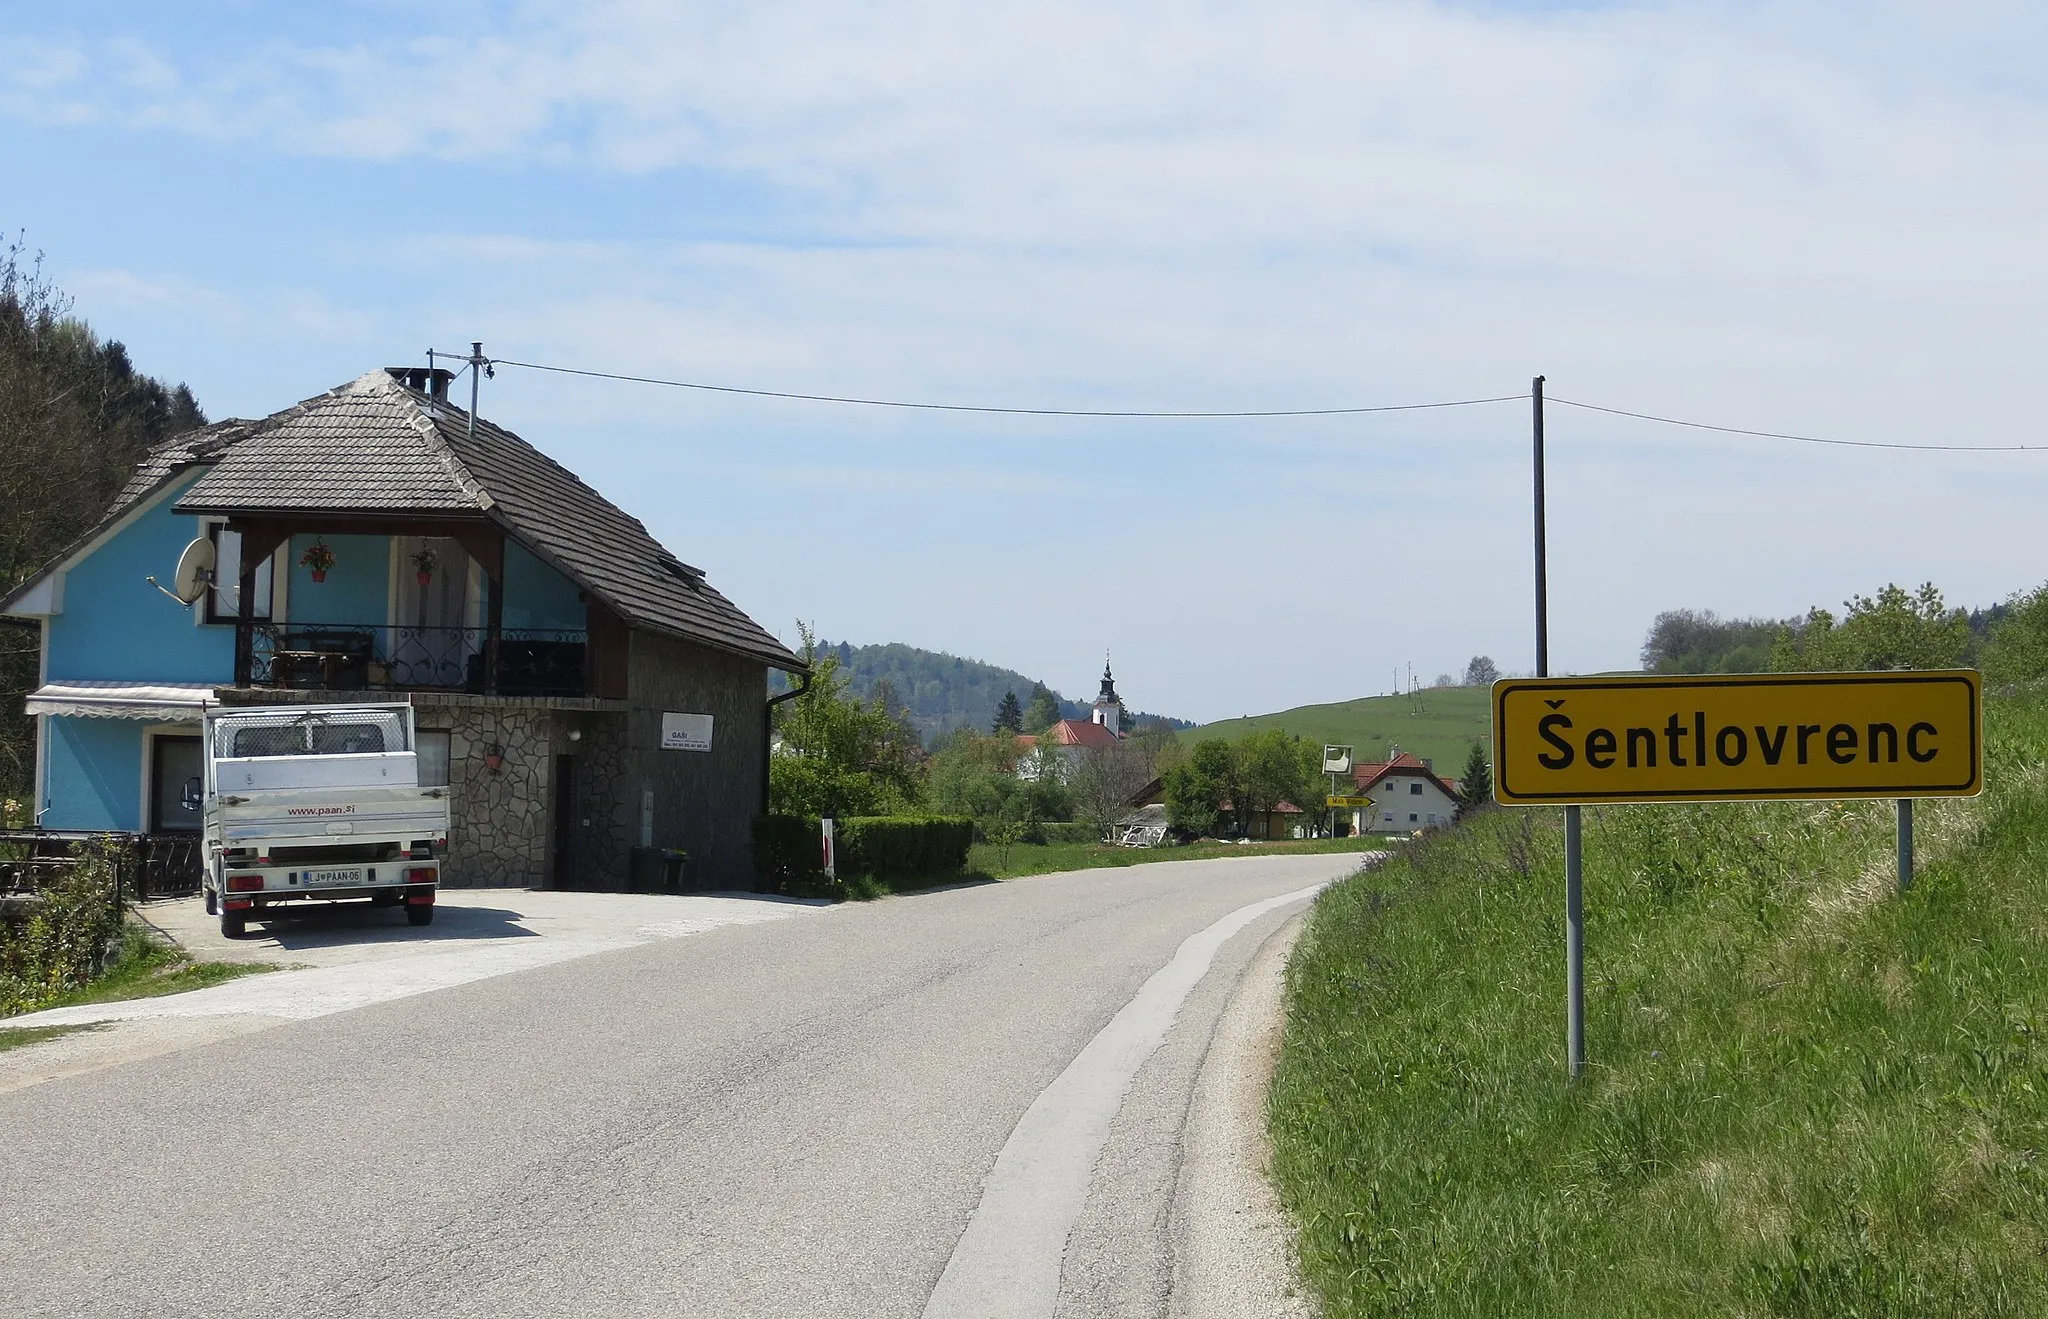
{"points": [[1891, 630], [75, 418], [1104, 779], [841, 755], [1688, 641], [2017, 649], [1197, 787], [1009, 715], [1274, 766], [1475, 790], [1043, 711], [1480, 671]]}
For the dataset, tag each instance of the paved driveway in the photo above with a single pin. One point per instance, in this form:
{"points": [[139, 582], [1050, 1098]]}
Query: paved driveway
{"points": [[351, 955]]}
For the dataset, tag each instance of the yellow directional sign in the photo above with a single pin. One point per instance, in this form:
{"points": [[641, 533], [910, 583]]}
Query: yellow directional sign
{"points": [[1347, 801], [1738, 737]]}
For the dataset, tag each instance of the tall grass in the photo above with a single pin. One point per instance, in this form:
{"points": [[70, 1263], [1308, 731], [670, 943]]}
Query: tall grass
{"points": [[1808, 1094]]}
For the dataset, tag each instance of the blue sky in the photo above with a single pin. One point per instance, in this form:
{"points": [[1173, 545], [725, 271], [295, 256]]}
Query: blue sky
{"points": [[1820, 218]]}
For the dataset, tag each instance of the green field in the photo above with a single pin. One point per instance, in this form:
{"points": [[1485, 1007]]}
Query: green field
{"points": [[1807, 1094], [1439, 724]]}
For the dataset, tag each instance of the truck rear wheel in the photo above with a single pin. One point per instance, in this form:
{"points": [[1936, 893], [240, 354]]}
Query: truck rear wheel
{"points": [[420, 913], [234, 924]]}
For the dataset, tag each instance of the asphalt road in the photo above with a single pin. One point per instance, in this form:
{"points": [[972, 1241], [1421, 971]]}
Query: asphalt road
{"points": [[964, 1102]]}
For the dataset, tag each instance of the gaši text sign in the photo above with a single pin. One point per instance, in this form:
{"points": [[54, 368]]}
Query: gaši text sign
{"points": [[1738, 737]]}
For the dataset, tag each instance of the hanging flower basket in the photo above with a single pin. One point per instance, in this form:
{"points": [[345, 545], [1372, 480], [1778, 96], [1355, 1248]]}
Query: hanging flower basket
{"points": [[424, 563], [318, 558]]}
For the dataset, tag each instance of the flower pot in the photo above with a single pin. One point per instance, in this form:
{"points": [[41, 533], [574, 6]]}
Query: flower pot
{"points": [[319, 574], [424, 577]]}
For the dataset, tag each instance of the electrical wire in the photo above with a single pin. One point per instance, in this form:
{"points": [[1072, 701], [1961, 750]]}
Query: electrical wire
{"points": [[1259, 413], [1802, 439], [1015, 412]]}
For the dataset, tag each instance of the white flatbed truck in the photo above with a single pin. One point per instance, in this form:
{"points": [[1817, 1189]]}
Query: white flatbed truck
{"points": [[318, 803]]}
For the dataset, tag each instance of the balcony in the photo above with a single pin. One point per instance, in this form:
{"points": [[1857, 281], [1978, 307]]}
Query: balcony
{"points": [[360, 657], [323, 602]]}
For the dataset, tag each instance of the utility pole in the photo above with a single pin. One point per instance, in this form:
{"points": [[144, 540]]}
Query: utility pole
{"points": [[478, 364], [1574, 897]]}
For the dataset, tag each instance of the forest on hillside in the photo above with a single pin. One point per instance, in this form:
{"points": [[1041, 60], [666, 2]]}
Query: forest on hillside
{"points": [[943, 692], [75, 417]]}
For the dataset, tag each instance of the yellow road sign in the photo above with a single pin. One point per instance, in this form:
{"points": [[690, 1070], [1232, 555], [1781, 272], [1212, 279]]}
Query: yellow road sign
{"points": [[1738, 737], [1347, 801]]}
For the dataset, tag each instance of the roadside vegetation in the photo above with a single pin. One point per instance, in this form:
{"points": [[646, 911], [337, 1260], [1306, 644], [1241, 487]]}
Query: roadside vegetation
{"points": [[1808, 1094], [995, 862], [67, 944]]}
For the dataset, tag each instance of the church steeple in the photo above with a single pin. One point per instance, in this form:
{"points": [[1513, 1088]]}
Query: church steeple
{"points": [[1109, 707]]}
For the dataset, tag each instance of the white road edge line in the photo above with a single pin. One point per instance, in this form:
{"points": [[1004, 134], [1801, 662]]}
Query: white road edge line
{"points": [[1006, 1264]]}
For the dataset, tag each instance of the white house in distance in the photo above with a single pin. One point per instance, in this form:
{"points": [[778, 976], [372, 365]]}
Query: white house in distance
{"points": [[1059, 748], [1406, 795]]}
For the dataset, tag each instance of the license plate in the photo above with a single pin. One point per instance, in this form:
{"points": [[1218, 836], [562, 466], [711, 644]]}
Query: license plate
{"points": [[321, 877]]}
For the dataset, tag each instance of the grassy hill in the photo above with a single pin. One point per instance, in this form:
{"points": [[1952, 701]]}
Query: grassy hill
{"points": [[1807, 1094], [1439, 724]]}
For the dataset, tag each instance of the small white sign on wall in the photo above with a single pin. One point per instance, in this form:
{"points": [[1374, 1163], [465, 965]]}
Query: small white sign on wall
{"points": [[685, 732]]}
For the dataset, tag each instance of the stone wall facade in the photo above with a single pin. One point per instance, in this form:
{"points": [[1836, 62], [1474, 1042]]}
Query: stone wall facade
{"points": [[622, 786]]}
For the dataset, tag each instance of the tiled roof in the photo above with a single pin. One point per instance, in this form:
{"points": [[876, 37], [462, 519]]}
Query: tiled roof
{"points": [[1369, 773], [374, 446], [1081, 733]]}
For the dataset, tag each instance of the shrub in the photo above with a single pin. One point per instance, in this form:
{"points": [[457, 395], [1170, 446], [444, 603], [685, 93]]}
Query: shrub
{"points": [[887, 849], [788, 858], [891, 848], [1078, 832], [55, 947]]}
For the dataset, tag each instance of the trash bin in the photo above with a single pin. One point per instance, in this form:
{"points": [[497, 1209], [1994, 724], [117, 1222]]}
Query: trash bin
{"points": [[658, 870]]}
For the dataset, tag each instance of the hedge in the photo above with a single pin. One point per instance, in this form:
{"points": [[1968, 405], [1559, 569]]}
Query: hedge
{"points": [[891, 849]]}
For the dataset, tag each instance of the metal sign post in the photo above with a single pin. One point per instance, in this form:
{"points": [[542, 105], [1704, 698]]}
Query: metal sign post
{"points": [[1574, 897], [1905, 843]]}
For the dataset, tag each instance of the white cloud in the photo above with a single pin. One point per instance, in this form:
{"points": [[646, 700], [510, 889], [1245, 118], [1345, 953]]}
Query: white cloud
{"points": [[1820, 218]]}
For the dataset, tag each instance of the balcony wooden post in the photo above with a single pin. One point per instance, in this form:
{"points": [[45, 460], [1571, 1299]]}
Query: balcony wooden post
{"points": [[494, 617]]}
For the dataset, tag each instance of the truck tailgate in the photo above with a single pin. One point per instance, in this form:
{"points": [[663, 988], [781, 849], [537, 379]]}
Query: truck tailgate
{"points": [[318, 814]]}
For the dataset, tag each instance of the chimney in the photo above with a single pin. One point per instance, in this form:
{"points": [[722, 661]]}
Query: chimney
{"points": [[431, 381]]}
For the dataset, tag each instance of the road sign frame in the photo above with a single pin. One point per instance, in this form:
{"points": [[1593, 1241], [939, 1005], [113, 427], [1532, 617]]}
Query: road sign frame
{"points": [[1504, 763]]}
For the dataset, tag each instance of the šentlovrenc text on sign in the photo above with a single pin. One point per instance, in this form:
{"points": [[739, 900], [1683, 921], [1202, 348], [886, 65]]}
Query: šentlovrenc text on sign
{"points": [[1737, 737]]}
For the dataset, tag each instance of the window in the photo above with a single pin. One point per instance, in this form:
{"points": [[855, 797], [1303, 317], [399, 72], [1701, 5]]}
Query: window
{"points": [[433, 753], [1411, 817], [1415, 789], [224, 601]]}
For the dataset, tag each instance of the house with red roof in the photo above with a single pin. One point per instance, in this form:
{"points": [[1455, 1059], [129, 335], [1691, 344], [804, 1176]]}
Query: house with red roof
{"points": [[1407, 794], [1056, 750]]}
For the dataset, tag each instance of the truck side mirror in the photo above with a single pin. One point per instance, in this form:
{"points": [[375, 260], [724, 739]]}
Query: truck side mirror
{"points": [[193, 798]]}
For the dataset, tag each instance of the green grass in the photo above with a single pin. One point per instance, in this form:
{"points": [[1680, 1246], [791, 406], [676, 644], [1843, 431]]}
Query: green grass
{"points": [[14, 1037], [986, 859], [1440, 724], [1808, 1094], [148, 967]]}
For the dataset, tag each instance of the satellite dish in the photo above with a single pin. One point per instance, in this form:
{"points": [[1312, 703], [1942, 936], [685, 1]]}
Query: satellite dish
{"points": [[195, 571]]}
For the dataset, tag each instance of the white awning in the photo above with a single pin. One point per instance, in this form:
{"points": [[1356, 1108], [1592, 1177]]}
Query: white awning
{"points": [[122, 700]]}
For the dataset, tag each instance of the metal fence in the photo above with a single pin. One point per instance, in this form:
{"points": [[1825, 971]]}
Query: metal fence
{"points": [[152, 865], [370, 657]]}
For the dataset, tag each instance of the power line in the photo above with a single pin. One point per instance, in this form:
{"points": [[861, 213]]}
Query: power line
{"points": [[1249, 414], [1015, 412], [1802, 439]]}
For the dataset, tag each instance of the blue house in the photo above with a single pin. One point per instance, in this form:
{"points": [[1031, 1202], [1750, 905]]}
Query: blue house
{"points": [[580, 690]]}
